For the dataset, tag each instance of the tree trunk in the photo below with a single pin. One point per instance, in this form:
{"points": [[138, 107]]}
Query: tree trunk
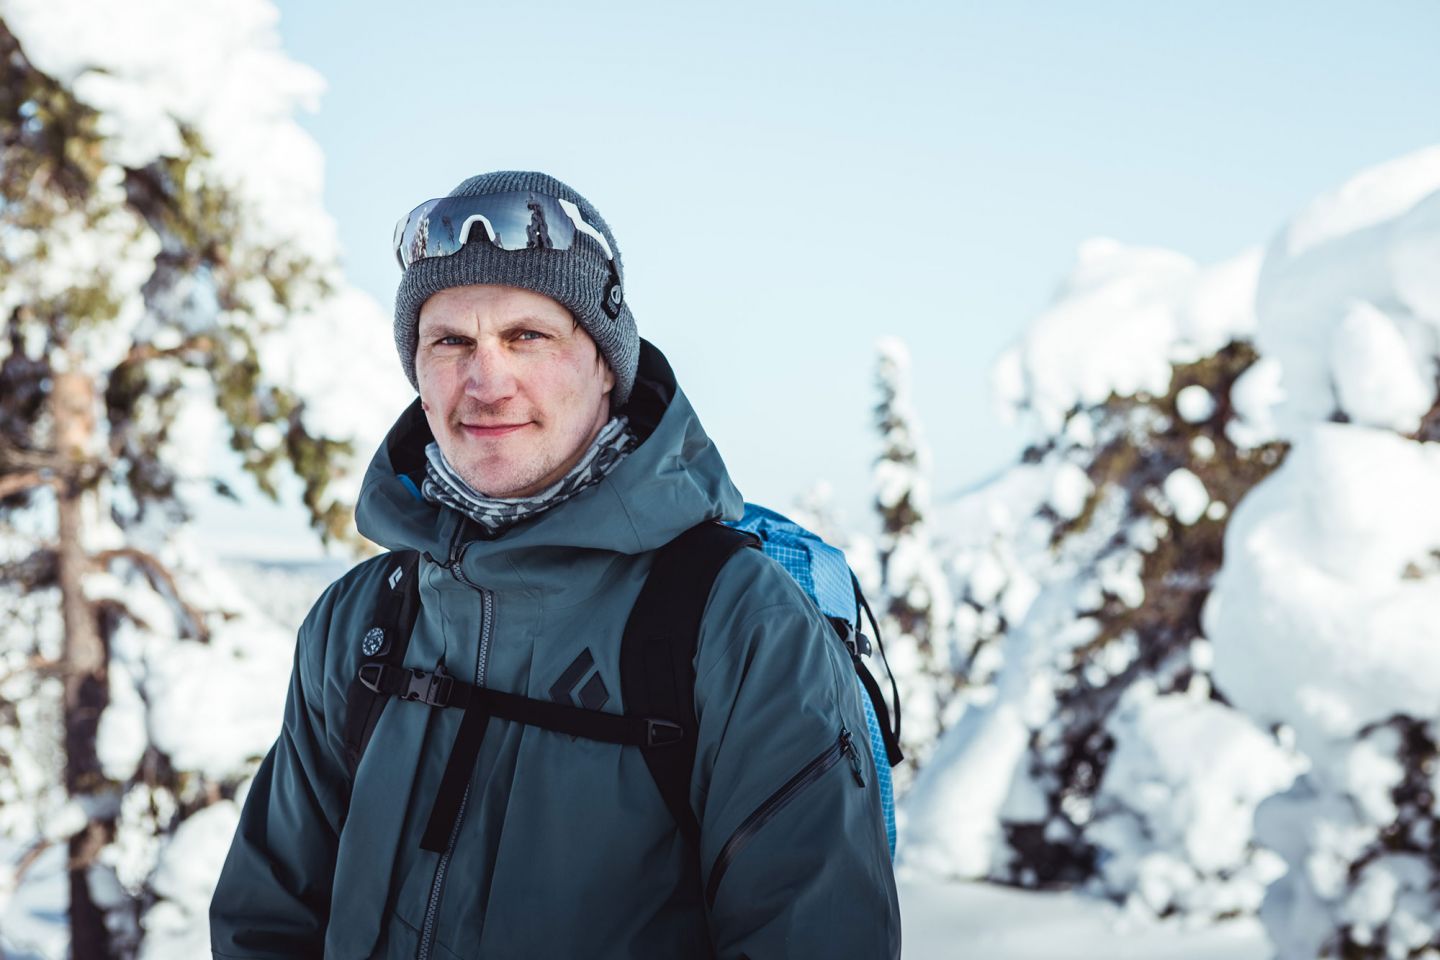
{"points": [[84, 658]]}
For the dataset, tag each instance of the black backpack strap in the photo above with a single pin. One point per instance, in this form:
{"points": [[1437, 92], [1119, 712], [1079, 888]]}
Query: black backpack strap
{"points": [[657, 654], [392, 620], [439, 689], [893, 753], [445, 811], [877, 699]]}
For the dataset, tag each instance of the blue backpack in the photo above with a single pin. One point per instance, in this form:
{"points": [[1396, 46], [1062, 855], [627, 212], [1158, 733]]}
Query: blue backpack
{"points": [[823, 574]]}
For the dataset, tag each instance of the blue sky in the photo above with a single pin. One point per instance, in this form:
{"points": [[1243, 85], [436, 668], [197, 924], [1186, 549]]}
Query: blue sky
{"points": [[789, 182]]}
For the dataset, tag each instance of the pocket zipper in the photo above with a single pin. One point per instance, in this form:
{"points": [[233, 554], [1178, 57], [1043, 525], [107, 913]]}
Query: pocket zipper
{"points": [[773, 804]]}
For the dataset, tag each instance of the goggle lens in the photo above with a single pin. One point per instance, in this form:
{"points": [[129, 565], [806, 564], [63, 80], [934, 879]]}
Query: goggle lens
{"points": [[511, 221]]}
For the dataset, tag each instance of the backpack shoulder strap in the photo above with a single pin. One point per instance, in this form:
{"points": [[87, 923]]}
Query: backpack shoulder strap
{"points": [[392, 620], [657, 654]]}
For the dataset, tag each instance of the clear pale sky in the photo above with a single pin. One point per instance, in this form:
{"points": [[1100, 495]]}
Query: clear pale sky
{"points": [[790, 181]]}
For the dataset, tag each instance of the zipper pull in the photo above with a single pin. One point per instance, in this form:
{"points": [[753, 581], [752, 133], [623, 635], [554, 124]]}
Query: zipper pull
{"points": [[456, 565], [847, 745]]}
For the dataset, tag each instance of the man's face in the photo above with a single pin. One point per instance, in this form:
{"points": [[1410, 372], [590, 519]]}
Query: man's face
{"points": [[513, 388]]}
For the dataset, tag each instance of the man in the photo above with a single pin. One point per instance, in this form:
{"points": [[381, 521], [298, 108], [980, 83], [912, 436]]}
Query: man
{"points": [[549, 456]]}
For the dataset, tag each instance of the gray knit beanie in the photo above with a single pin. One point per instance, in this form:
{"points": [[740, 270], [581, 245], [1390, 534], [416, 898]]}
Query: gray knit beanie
{"points": [[576, 278]]}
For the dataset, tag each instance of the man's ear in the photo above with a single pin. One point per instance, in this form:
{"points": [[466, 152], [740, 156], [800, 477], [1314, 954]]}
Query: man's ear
{"points": [[605, 367]]}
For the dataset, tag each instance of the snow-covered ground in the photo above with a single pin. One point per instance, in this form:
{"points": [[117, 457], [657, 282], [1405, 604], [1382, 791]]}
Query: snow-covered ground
{"points": [[981, 921], [942, 921]]}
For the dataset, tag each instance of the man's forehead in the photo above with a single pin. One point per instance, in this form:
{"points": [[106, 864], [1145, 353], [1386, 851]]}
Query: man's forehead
{"points": [[492, 304]]}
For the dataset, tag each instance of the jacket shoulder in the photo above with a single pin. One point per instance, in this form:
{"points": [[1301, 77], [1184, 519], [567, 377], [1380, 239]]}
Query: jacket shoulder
{"points": [[754, 596], [339, 615], [752, 581]]}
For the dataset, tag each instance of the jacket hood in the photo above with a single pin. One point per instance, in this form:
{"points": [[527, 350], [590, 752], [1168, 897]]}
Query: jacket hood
{"points": [[673, 480]]}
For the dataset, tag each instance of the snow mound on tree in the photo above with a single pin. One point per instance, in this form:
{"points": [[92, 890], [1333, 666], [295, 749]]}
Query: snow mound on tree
{"points": [[179, 925], [221, 74], [1173, 810], [220, 71], [1324, 615], [1118, 323], [1349, 298], [1323, 619]]}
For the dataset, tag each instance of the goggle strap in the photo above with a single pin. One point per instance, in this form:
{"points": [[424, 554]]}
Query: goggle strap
{"points": [[573, 212]]}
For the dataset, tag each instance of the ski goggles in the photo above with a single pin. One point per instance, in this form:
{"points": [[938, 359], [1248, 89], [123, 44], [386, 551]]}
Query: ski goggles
{"points": [[519, 220]]}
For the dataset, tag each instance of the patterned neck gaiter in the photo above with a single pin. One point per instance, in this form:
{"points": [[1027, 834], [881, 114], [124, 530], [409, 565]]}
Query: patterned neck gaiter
{"points": [[497, 514]]}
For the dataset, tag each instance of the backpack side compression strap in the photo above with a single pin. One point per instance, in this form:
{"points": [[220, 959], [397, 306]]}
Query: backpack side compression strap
{"points": [[657, 654], [892, 737]]}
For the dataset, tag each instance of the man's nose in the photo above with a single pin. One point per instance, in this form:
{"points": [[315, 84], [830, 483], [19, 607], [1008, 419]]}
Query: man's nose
{"points": [[490, 376]]}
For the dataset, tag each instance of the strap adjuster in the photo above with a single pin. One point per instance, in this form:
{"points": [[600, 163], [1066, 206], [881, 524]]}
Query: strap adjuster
{"points": [[371, 675], [855, 641], [862, 643], [662, 733]]}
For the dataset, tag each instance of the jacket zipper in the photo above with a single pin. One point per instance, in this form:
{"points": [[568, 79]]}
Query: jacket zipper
{"points": [[762, 815], [437, 886]]}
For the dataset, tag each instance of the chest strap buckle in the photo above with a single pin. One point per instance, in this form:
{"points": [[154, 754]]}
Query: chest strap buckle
{"points": [[419, 686]]}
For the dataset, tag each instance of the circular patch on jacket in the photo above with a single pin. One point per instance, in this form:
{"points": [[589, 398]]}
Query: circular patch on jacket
{"points": [[374, 638]]}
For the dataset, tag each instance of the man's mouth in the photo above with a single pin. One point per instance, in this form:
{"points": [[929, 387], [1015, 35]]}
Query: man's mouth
{"points": [[491, 430]]}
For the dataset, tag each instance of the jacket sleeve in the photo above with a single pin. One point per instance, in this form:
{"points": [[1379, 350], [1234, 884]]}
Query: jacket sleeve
{"points": [[794, 857], [273, 896]]}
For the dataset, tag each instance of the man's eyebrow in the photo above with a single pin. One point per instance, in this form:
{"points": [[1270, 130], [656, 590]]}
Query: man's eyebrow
{"points": [[446, 328], [534, 320], [440, 328]]}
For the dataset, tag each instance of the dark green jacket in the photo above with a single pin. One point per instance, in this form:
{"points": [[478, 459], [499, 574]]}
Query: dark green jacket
{"points": [[564, 848]]}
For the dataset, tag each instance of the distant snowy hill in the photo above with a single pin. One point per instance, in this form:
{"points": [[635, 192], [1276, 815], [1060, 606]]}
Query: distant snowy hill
{"points": [[284, 590]]}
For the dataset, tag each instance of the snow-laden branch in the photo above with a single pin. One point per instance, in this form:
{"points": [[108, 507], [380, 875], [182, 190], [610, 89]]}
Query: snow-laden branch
{"points": [[163, 580]]}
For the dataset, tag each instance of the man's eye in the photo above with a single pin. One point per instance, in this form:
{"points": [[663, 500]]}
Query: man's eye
{"points": [[528, 334], [450, 340]]}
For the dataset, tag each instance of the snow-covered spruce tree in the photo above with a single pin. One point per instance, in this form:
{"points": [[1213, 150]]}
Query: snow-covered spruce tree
{"points": [[137, 296], [1142, 489], [914, 604], [1101, 756], [1324, 619]]}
